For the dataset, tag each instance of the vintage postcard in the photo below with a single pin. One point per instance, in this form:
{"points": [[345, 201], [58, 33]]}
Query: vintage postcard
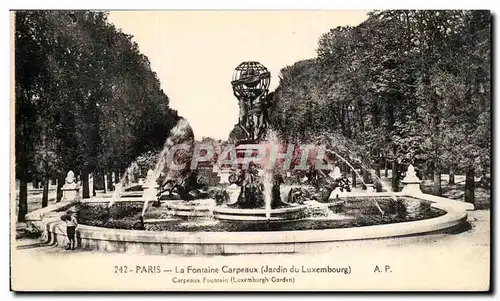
{"points": [[319, 150]]}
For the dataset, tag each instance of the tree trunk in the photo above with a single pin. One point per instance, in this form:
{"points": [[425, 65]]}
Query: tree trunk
{"points": [[430, 170], [469, 186], [436, 178], [35, 183], [364, 173], [117, 176], [395, 176], [386, 169], [85, 186], [353, 178], [103, 179], [436, 187], [23, 200], [53, 181], [45, 194], [378, 180], [451, 181], [60, 184], [110, 182]]}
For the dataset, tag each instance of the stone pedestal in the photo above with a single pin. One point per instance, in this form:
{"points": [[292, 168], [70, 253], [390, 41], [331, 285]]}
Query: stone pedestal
{"points": [[223, 174], [70, 193], [118, 190], [70, 188], [411, 183]]}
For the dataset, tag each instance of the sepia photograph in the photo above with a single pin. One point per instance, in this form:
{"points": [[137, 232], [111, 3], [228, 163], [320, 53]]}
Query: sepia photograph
{"points": [[251, 150]]}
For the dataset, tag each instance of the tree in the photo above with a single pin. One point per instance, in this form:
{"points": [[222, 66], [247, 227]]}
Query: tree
{"points": [[86, 99], [402, 87]]}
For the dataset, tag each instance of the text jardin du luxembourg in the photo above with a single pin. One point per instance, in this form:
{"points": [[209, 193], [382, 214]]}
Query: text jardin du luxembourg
{"points": [[264, 269]]}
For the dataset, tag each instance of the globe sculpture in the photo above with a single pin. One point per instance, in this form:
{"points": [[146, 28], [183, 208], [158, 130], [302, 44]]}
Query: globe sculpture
{"points": [[250, 86]]}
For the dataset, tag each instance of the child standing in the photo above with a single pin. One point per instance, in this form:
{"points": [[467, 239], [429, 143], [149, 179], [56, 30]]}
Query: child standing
{"points": [[71, 224]]}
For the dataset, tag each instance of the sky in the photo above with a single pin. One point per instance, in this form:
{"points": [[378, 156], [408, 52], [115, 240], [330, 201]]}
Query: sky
{"points": [[194, 53]]}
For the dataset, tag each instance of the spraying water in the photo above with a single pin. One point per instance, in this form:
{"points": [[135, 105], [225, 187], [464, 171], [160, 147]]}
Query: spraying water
{"points": [[359, 176], [116, 194], [125, 179], [379, 180], [267, 177], [233, 190], [149, 191], [180, 133]]}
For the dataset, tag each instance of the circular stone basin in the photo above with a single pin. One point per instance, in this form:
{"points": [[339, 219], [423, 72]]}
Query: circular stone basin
{"points": [[280, 214], [110, 229], [131, 194], [204, 216]]}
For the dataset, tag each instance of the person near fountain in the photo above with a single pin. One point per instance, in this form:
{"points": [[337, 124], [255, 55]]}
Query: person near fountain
{"points": [[71, 223]]}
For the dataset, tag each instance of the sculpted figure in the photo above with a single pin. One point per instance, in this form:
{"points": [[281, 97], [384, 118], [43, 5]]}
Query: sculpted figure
{"points": [[257, 109]]}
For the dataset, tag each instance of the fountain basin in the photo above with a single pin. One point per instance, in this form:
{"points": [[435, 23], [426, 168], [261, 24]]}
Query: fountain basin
{"points": [[198, 208], [131, 194], [159, 220], [217, 242], [249, 215]]}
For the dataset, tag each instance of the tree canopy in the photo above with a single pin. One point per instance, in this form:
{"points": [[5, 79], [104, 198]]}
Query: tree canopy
{"points": [[403, 86], [86, 99]]}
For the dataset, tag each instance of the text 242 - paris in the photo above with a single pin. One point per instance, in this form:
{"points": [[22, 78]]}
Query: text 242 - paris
{"points": [[138, 269]]}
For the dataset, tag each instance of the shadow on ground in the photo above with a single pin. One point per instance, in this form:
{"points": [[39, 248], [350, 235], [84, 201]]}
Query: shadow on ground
{"points": [[460, 228], [34, 245]]}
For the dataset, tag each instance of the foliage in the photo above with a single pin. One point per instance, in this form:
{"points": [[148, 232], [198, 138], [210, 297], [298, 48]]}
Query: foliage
{"points": [[86, 98], [410, 86]]}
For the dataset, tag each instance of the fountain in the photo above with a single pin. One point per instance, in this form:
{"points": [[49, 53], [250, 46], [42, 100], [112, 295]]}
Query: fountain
{"points": [[259, 198], [255, 192], [262, 208]]}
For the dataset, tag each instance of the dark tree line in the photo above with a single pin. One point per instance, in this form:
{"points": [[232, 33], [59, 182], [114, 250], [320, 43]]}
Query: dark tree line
{"points": [[86, 99], [402, 87]]}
